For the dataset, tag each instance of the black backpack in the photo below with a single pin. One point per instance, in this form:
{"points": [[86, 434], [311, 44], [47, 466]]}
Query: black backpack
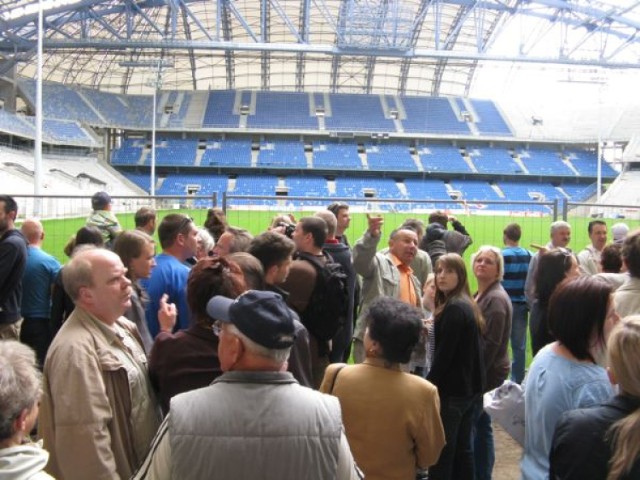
{"points": [[328, 304]]}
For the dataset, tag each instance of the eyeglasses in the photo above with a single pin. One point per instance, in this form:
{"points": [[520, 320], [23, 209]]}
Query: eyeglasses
{"points": [[217, 328]]}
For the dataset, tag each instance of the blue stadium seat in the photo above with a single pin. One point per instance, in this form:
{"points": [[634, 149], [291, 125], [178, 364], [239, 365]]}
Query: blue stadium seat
{"points": [[282, 154], [356, 113], [333, 155], [174, 152], [285, 110], [255, 185], [442, 158], [586, 163], [493, 160], [132, 111], [432, 115], [390, 157], [489, 121], [219, 111], [541, 161], [227, 153]]}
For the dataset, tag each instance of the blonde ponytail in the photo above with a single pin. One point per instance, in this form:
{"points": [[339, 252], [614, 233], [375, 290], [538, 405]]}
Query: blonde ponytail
{"points": [[623, 344]]}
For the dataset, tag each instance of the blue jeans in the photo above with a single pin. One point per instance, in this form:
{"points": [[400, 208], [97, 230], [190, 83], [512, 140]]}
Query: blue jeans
{"points": [[518, 340], [484, 454], [456, 459]]}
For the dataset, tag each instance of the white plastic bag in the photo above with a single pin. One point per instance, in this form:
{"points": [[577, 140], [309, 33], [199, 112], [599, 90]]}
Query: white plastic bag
{"points": [[505, 404]]}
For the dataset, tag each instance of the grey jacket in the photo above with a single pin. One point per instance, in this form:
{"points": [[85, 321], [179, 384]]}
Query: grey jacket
{"points": [[379, 277], [264, 426]]}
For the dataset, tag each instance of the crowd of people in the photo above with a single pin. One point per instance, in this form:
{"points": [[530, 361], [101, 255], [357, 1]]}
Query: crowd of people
{"points": [[219, 354]]}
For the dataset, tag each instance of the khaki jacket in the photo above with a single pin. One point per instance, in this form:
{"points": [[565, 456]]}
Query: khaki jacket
{"points": [[380, 277], [627, 298], [87, 407]]}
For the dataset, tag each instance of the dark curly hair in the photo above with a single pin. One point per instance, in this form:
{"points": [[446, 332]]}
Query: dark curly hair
{"points": [[396, 326]]}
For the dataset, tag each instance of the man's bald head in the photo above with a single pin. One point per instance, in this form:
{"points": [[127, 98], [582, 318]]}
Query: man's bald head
{"points": [[32, 231]]}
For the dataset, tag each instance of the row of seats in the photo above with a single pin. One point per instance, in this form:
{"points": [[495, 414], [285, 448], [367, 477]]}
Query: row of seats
{"points": [[53, 131], [474, 192], [333, 155], [274, 110]]}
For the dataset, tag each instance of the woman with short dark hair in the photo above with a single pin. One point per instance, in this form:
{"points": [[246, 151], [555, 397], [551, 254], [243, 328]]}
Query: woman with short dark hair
{"points": [[391, 418], [567, 374]]}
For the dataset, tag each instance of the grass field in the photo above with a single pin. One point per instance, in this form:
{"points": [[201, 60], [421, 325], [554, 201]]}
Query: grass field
{"points": [[485, 230]]}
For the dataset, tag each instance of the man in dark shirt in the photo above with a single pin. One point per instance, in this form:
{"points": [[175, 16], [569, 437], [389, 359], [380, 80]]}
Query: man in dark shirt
{"points": [[13, 259]]}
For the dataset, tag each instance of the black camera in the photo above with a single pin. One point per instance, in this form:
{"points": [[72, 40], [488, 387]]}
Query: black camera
{"points": [[289, 228]]}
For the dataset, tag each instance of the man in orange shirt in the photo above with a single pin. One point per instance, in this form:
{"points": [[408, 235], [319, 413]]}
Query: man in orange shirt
{"points": [[388, 274]]}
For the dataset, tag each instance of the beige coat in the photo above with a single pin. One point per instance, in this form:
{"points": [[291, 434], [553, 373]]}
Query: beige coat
{"points": [[87, 407], [627, 298], [392, 419]]}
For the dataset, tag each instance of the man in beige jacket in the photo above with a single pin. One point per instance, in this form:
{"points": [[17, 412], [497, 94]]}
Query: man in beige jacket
{"points": [[98, 413]]}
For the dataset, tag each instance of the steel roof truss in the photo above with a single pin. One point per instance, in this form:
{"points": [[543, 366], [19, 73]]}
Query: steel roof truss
{"points": [[185, 8], [230, 6]]}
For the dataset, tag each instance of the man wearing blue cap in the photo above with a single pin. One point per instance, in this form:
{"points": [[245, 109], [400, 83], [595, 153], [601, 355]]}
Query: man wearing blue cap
{"points": [[255, 420]]}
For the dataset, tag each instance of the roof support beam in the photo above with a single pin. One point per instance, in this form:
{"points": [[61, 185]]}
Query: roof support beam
{"points": [[265, 10], [326, 49]]}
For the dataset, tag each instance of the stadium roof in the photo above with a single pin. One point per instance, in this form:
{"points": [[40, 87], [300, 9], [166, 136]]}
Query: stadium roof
{"points": [[408, 47]]}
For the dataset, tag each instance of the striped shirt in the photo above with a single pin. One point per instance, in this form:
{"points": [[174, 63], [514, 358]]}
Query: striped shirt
{"points": [[516, 266]]}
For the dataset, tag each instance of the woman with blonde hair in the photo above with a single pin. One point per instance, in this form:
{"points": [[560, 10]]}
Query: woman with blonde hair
{"points": [[458, 368], [137, 251], [496, 308], [604, 442]]}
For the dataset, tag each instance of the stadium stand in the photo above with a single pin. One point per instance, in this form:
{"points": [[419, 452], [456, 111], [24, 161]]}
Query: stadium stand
{"points": [[586, 163], [488, 119], [130, 111], [475, 190], [53, 131], [493, 160], [174, 152], [281, 154], [129, 152], [359, 187], [333, 155], [200, 185], [540, 161], [299, 186], [579, 192], [174, 110], [357, 113], [442, 158], [255, 185], [220, 111], [431, 115], [16, 125], [283, 110], [389, 157], [61, 102], [227, 152]]}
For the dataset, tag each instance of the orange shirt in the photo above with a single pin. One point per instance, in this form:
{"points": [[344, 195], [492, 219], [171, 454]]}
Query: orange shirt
{"points": [[407, 291]]}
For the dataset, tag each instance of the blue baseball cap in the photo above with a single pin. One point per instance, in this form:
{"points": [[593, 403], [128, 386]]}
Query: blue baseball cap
{"points": [[260, 315]]}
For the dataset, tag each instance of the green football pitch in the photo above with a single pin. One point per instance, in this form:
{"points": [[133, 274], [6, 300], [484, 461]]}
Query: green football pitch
{"points": [[485, 229]]}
